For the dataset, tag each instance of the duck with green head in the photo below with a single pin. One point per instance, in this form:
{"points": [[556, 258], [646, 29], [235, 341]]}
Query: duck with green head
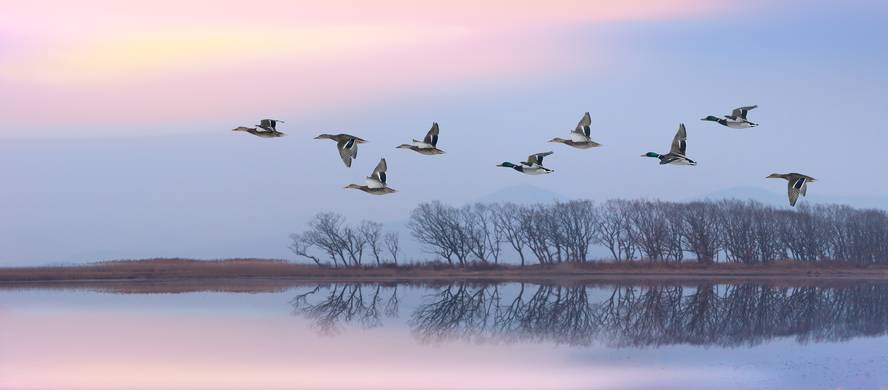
{"points": [[737, 119], [533, 165], [676, 155]]}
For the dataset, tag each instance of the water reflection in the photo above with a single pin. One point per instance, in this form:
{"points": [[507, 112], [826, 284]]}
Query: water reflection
{"points": [[620, 316], [347, 303]]}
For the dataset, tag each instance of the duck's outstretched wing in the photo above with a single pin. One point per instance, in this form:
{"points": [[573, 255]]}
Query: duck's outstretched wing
{"points": [[379, 173], [584, 126], [269, 124], [679, 143], [740, 113], [537, 158], [348, 150], [797, 185], [431, 137]]}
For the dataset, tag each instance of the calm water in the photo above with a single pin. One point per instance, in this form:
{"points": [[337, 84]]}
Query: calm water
{"points": [[451, 336]]}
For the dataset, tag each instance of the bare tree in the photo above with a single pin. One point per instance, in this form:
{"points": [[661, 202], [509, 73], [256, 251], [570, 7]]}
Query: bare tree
{"points": [[484, 238], [440, 230], [371, 233], [355, 244], [613, 229], [533, 222], [578, 220], [650, 229], [301, 246], [326, 233], [508, 224], [699, 230], [392, 244]]}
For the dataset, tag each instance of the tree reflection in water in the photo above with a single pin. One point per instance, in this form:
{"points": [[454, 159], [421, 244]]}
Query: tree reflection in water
{"points": [[348, 303], [637, 316]]}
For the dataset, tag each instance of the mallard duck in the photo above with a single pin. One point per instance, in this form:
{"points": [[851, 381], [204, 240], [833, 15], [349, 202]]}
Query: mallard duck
{"points": [[347, 145], [264, 133], [798, 184], [428, 146], [737, 119], [533, 165], [375, 182], [676, 155], [579, 137], [269, 124]]}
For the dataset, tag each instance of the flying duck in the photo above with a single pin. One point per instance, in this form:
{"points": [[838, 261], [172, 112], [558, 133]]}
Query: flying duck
{"points": [[428, 146], [533, 165], [347, 145], [579, 137], [269, 124], [737, 119], [676, 155], [376, 181], [798, 184]]}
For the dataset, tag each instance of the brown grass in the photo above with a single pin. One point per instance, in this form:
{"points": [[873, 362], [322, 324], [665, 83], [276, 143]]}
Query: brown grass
{"points": [[278, 273]]}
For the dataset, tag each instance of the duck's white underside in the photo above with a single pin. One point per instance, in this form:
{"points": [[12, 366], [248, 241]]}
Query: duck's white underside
{"points": [[577, 137], [738, 124], [423, 145], [536, 171], [373, 183]]}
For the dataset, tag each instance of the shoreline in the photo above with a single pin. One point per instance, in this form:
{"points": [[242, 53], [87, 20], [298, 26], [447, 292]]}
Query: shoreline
{"points": [[259, 274]]}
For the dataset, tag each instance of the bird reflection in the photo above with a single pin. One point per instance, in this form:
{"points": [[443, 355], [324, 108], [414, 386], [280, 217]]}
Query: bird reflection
{"points": [[619, 316]]}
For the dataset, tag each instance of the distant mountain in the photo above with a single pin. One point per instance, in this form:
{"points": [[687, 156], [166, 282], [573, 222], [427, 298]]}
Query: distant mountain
{"points": [[522, 194]]}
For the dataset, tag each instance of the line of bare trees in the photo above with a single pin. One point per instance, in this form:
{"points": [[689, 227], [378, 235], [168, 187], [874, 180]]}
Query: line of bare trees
{"points": [[655, 231], [330, 236], [630, 230]]}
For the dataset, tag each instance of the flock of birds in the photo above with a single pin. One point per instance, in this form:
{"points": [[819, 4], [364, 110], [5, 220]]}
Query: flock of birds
{"points": [[580, 138]]}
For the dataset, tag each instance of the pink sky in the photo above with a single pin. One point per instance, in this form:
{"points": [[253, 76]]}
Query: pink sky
{"points": [[96, 61]]}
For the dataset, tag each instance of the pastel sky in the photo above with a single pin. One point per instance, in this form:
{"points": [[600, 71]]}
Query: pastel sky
{"points": [[115, 138], [161, 61]]}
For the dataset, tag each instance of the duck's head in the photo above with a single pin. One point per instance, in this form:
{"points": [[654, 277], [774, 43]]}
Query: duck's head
{"points": [[241, 128], [506, 164], [651, 154], [558, 140], [774, 176], [710, 118], [325, 136], [353, 186], [404, 146]]}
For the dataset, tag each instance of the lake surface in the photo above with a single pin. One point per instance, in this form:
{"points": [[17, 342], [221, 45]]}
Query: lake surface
{"points": [[461, 335]]}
